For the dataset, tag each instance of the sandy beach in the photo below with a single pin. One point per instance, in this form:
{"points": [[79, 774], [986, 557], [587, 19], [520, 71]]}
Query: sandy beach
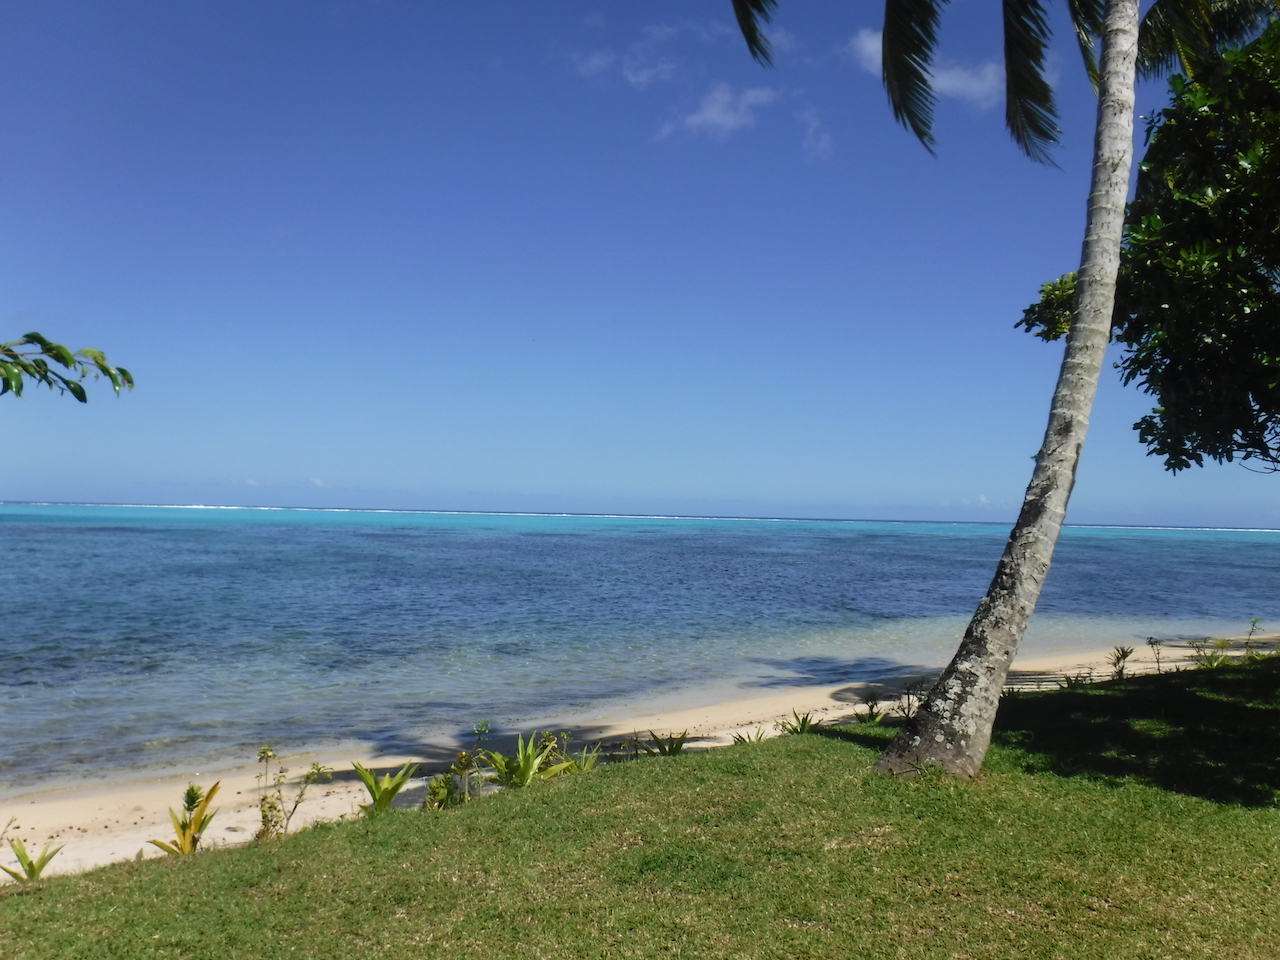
{"points": [[100, 823]]}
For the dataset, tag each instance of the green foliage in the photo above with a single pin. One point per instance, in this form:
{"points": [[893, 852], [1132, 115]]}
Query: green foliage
{"points": [[756, 736], [1198, 295], [1049, 318], [584, 760], [1155, 643], [873, 714], [443, 792], [190, 826], [668, 746], [19, 365], [911, 699], [1083, 678], [276, 810], [1119, 658], [30, 869], [800, 723], [529, 763], [382, 792], [1200, 304], [1203, 656]]}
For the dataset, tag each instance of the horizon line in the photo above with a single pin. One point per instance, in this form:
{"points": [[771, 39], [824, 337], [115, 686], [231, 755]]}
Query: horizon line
{"points": [[610, 516]]}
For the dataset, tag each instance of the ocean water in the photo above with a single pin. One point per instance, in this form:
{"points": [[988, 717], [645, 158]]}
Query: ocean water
{"points": [[136, 638]]}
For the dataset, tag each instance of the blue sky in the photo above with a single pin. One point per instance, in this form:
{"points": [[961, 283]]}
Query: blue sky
{"points": [[558, 256]]}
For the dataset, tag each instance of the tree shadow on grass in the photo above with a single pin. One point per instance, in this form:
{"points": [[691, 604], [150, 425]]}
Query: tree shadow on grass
{"points": [[1211, 733]]}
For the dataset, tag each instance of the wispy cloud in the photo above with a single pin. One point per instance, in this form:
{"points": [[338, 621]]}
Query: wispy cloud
{"points": [[594, 64], [722, 111], [648, 60], [864, 46], [818, 143], [978, 85], [642, 68]]}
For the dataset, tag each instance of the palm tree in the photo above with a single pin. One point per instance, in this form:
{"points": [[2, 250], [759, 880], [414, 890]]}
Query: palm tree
{"points": [[952, 728]]}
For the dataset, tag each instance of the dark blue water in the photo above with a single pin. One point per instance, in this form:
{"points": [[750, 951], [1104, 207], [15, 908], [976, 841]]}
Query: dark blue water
{"points": [[136, 636]]}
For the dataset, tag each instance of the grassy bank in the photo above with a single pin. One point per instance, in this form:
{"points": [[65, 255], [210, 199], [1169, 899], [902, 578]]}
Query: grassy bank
{"points": [[1131, 819]]}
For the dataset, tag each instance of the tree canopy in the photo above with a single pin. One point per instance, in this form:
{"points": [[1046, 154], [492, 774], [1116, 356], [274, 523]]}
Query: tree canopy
{"points": [[29, 359], [1198, 307]]}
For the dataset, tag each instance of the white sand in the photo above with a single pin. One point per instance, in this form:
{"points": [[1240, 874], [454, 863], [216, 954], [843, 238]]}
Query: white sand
{"points": [[106, 822]]}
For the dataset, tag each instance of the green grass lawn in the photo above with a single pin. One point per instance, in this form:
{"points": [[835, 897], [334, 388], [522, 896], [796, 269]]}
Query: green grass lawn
{"points": [[1125, 820]]}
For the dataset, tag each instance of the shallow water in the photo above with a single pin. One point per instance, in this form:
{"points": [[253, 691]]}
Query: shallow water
{"points": [[144, 637]]}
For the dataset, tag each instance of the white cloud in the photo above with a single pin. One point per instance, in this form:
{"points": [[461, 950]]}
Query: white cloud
{"points": [[594, 64], [978, 85], [784, 41], [818, 143], [864, 46], [640, 68], [722, 111]]}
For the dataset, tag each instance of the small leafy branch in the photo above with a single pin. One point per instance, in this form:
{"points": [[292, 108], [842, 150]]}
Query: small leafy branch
{"points": [[31, 869], [189, 827], [277, 811], [1155, 643], [383, 792], [911, 698], [18, 365]]}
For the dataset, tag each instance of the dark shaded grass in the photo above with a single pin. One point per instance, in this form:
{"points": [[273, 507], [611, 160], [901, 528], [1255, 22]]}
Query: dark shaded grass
{"points": [[1212, 733], [788, 848]]}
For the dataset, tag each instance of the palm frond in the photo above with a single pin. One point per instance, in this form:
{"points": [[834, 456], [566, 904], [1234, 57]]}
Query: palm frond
{"points": [[751, 14], [910, 35], [1086, 19], [1182, 34], [1030, 113], [1172, 35]]}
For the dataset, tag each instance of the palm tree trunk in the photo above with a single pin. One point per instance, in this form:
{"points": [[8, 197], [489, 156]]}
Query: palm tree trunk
{"points": [[952, 728]]}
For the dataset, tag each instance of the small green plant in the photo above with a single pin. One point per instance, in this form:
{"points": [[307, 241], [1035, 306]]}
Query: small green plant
{"points": [[189, 827], [584, 760], [800, 723], [1118, 659], [874, 714], [756, 736], [382, 792], [529, 763], [1082, 679], [276, 810], [442, 792], [31, 869], [1254, 623], [666, 746], [911, 699], [1155, 643]]}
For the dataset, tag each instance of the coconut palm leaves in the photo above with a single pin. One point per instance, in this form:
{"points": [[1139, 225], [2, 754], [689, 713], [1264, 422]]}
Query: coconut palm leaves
{"points": [[1182, 34], [1175, 33], [908, 44], [751, 13]]}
